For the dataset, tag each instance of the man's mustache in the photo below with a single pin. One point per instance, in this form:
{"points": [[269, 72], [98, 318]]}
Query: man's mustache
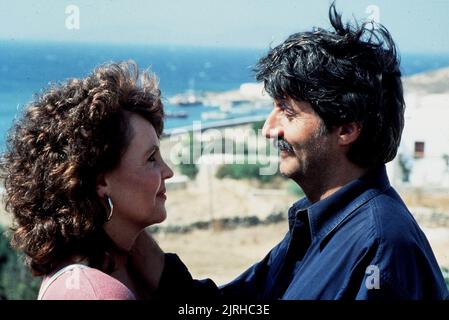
{"points": [[284, 146]]}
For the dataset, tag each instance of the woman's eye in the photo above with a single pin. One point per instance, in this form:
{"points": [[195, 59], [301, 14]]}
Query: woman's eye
{"points": [[152, 158]]}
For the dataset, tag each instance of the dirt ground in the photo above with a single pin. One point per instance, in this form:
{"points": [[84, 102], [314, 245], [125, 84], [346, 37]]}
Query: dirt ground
{"points": [[225, 199], [222, 255]]}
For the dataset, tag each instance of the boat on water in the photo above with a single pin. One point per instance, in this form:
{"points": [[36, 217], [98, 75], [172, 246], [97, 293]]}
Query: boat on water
{"points": [[176, 114], [214, 116], [186, 99], [228, 111]]}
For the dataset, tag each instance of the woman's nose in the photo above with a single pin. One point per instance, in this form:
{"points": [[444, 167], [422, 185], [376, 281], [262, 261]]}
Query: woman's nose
{"points": [[167, 172], [272, 128]]}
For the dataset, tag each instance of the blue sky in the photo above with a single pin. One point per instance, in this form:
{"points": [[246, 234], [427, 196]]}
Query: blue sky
{"points": [[417, 25]]}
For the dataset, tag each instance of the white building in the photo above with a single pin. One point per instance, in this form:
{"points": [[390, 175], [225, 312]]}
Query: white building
{"points": [[424, 148]]}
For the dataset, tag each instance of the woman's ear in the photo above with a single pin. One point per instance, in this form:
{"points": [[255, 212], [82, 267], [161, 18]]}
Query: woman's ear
{"points": [[101, 186], [348, 133]]}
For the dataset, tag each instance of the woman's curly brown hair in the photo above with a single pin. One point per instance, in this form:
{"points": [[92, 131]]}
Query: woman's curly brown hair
{"points": [[67, 137]]}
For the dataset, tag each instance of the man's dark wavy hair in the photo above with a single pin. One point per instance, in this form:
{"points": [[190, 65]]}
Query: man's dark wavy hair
{"points": [[350, 74]]}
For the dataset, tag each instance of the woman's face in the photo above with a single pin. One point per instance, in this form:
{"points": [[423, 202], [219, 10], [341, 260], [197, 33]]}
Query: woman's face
{"points": [[136, 186]]}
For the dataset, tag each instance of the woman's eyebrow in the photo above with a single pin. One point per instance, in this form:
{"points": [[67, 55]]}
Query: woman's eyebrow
{"points": [[152, 150]]}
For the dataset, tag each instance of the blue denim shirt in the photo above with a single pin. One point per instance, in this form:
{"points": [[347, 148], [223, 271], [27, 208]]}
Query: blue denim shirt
{"points": [[359, 243]]}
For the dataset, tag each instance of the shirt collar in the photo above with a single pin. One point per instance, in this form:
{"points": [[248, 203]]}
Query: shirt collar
{"points": [[325, 215]]}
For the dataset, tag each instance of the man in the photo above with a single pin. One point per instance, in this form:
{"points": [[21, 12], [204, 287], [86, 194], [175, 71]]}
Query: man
{"points": [[338, 116]]}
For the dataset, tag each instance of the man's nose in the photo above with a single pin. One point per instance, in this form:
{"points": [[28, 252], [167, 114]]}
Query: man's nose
{"points": [[272, 127]]}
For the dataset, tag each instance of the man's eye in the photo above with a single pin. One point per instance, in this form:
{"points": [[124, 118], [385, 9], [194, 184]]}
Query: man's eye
{"points": [[286, 109], [282, 105]]}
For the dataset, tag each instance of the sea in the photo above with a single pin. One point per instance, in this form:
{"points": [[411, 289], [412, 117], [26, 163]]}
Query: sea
{"points": [[27, 68]]}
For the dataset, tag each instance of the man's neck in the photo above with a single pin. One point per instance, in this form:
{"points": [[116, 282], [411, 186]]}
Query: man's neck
{"points": [[320, 186]]}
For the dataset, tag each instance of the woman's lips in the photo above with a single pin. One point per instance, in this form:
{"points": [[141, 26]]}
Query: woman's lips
{"points": [[161, 194]]}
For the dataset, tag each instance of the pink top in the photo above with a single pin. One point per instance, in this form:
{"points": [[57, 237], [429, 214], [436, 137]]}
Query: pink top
{"points": [[79, 282]]}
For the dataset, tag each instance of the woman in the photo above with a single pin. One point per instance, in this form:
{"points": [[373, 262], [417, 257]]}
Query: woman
{"points": [[83, 177]]}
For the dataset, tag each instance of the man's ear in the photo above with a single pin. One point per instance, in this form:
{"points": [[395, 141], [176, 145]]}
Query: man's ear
{"points": [[348, 133], [101, 186]]}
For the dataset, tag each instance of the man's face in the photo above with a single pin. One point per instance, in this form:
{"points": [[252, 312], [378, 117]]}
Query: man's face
{"points": [[306, 150]]}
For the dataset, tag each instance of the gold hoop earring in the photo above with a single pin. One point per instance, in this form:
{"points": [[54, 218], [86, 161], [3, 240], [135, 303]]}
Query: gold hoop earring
{"points": [[111, 209]]}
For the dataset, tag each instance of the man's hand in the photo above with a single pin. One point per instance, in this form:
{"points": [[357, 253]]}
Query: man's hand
{"points": [[147, 258]]}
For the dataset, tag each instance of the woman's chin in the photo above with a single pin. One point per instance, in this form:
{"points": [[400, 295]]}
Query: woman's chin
{"points": [[159, 218]]}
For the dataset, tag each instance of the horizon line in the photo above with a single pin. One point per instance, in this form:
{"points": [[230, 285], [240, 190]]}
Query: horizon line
{"points": [[173, 45]]}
